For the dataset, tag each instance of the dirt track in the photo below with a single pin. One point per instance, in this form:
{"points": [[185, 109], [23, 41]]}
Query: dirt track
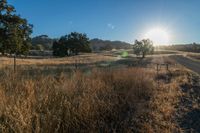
{"points": [[188, 63]]}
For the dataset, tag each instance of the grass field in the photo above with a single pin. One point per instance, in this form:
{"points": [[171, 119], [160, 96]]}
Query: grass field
{"points": [[52, 95]]}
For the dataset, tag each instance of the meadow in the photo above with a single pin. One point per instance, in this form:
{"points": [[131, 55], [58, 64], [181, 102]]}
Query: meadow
{"points": [[90, 93]]}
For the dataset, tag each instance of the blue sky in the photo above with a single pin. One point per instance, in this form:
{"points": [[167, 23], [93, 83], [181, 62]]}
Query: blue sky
{"points": [[124, 20]]}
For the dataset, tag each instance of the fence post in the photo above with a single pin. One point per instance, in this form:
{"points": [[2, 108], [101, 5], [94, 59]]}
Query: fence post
{"points": [[167, 66], [157, 68], [14, 63]]}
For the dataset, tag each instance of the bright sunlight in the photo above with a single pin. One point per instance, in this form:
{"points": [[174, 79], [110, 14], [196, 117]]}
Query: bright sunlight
{"points": [[159, 36]]}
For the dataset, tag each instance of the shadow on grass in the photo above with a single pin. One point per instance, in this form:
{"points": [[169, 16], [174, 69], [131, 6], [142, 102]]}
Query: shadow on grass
{"points": [[191, 121]]}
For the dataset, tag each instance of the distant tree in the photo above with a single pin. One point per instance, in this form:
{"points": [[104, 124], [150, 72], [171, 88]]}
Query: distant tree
{"points": [[143, 47], [78, 42], [14, 31], [71, 44], [65, 48], [58, 49]]}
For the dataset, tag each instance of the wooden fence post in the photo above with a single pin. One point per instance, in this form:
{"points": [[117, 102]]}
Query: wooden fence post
{"points": [[167, 65], [157, 68], [14, 62]]}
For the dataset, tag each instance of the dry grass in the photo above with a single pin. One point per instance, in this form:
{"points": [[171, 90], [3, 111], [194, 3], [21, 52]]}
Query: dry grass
{"points": [[105, 101], [166, 98], [83, 58]]}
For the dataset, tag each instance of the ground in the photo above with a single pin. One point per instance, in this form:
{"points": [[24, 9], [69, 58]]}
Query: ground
{"points": [[168, 100], [188, 63]]}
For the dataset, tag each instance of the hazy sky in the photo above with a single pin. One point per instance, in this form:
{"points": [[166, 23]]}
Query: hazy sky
{"points": [[124, 20]]}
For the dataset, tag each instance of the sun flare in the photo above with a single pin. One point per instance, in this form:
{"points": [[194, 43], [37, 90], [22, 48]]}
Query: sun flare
{"points": [[159, 36]]}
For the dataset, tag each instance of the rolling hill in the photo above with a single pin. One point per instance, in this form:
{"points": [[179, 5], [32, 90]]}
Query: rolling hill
{"points": [[98, 45]]}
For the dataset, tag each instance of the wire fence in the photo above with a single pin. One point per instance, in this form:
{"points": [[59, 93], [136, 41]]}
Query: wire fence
{"points": [[33, 67]]}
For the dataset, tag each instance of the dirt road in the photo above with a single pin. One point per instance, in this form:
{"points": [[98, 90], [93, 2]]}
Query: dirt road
{"points": [[188, 63]]}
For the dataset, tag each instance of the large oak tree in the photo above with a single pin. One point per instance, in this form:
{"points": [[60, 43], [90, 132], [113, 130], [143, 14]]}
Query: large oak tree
{"points": [[73, 43], [14, 31]]}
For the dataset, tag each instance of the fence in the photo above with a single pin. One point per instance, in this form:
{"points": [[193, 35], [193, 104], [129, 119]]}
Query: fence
{"points": [[13, 64]]}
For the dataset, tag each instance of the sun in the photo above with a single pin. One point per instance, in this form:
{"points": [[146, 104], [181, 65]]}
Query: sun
{"points": [[159, 36]]}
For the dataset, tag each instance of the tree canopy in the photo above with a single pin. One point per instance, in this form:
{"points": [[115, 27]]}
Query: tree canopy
{"points": [[14, 31], [143, 47], [73, 43]]}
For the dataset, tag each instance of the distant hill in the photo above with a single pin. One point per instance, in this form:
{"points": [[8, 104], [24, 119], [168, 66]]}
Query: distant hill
{"points": [[45, 42], [42, 40], [194, 47], [98, 45]]}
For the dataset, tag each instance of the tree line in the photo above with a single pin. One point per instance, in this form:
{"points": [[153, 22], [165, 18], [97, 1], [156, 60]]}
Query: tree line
{"points": [[15, 37], [194, 47]]}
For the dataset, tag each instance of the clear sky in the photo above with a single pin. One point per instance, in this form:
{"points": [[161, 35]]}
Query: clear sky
{"points": [[124, 20]]}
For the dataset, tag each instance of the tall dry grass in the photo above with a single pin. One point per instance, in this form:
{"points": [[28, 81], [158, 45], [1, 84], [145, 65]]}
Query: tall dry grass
{"points": [[102, 101], [81, 59]]}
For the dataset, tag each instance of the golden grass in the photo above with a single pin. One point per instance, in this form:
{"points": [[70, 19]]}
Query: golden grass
{"points": [[105, 101], [164, 102], [83, 58]]}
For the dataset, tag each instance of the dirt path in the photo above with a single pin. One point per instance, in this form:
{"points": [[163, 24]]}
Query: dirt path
{"points": [[188, 63]]}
